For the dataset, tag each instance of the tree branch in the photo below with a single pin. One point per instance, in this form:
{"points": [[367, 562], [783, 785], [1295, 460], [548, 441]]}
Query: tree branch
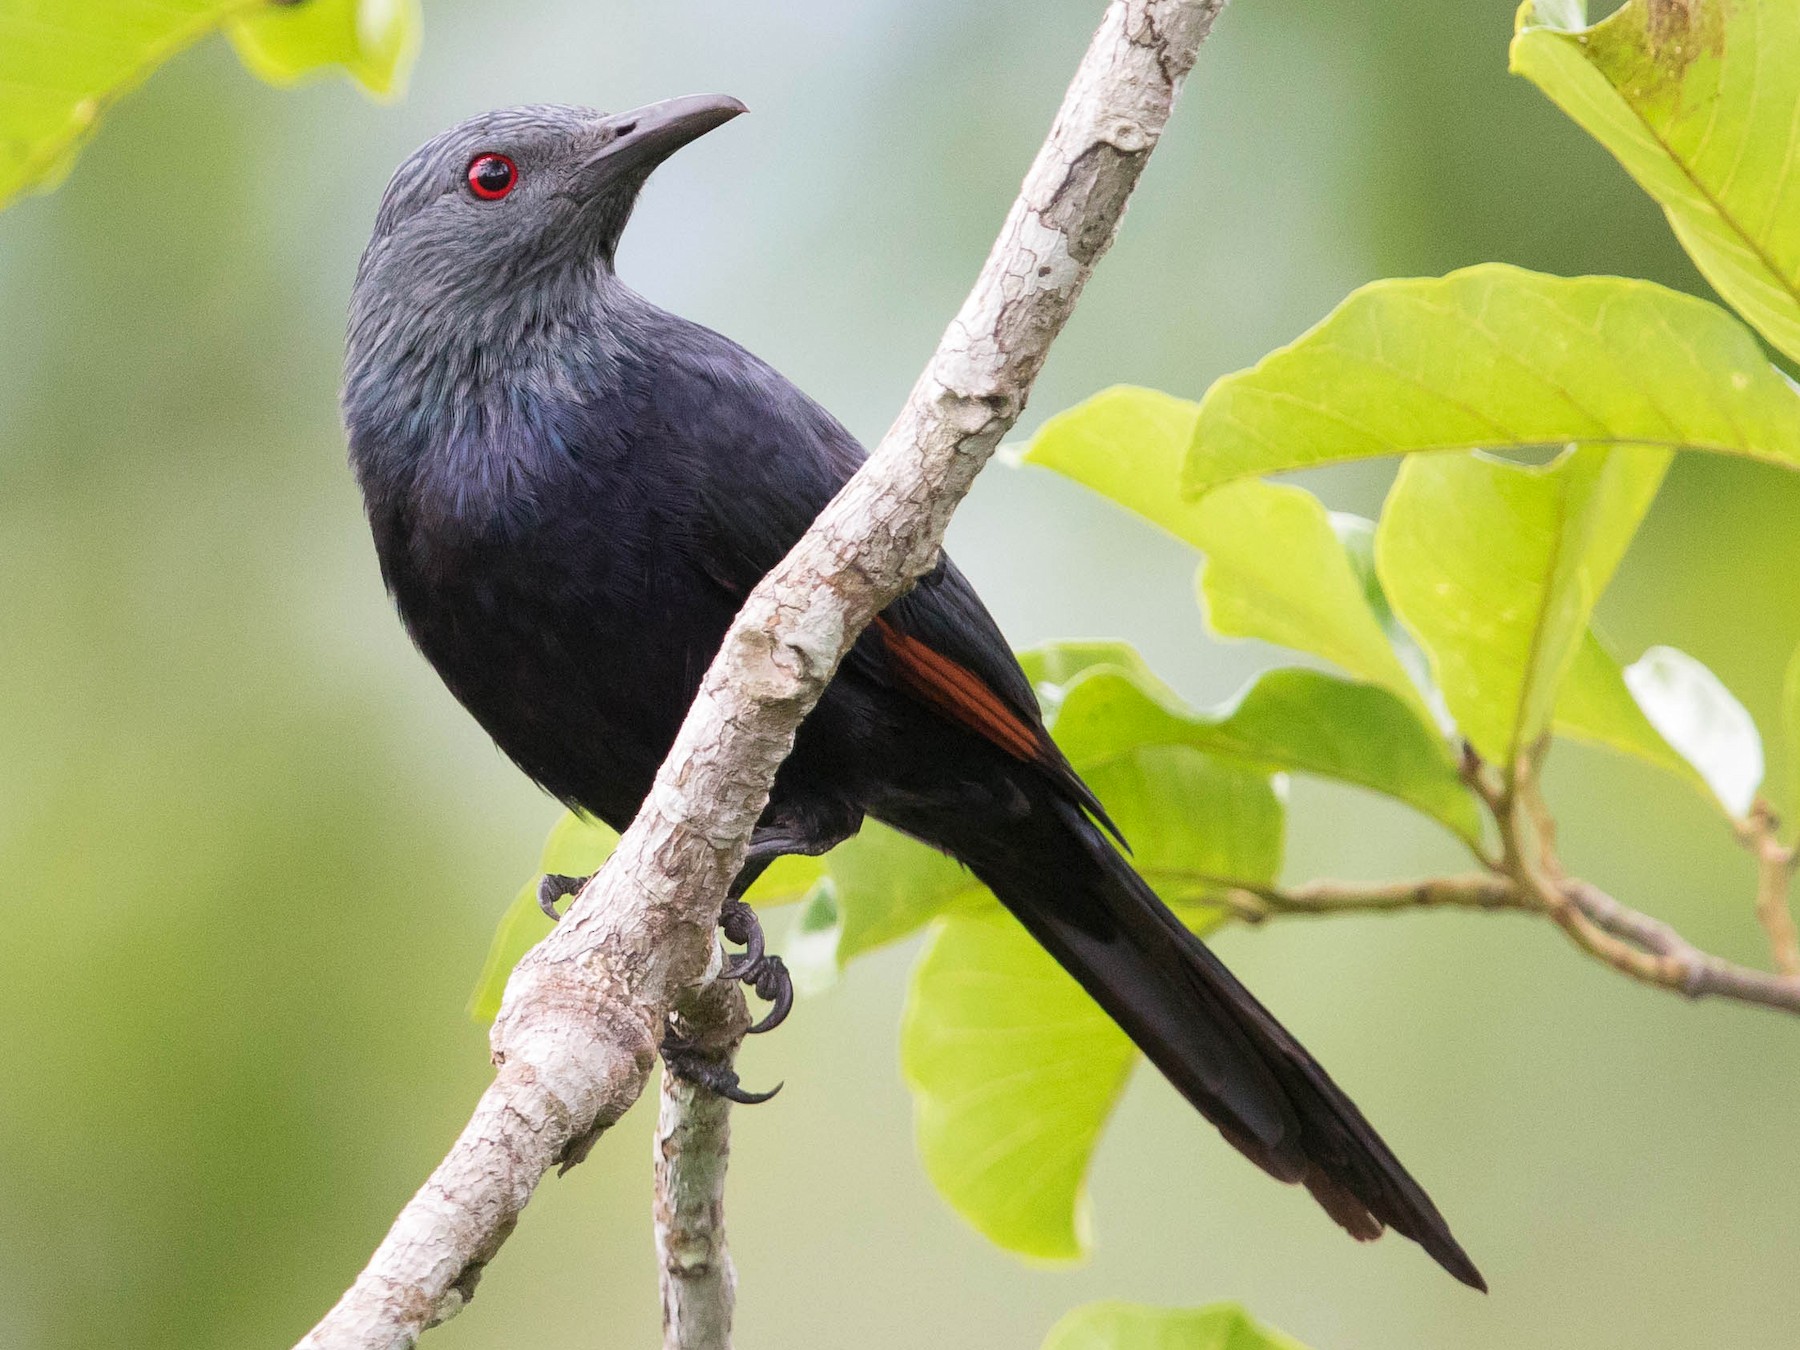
{"points": [[1254, 904], [579, 1026], [1631, 942], [693, 1146], [1634, 943]]}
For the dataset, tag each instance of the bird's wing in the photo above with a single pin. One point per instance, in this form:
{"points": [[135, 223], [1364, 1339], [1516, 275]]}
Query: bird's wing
{"points": [[939, 643], [766, 459]]}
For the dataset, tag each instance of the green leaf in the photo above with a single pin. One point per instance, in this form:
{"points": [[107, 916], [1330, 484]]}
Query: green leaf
{"points": [[62, 64], [1595, 707], [1292, 719], [521, 928], [1013, 1068], [1197, 822], [1126, 443], [1277, 564], [1113, 1325], [575, 847], [888, 886], [787, 881], [1056, 664], [1496, 568], [1701, 104], [1697, 714], [1357, 535], [1277, 569], [1014, 1071], [884, 886], [372, 41], [1494, 357]]}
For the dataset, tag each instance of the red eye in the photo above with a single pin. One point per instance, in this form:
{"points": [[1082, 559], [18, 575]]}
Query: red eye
{"points": [[491, 177]]}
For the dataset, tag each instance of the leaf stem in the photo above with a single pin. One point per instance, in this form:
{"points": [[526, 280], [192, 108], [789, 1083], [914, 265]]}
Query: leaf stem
{"points": [[1775, 866]]}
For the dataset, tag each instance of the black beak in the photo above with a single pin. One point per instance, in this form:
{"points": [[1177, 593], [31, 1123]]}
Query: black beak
{"points": [[637, 141]]}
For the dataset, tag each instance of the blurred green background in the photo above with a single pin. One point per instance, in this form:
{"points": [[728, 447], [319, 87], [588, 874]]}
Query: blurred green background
{"points": [[251, 853]]}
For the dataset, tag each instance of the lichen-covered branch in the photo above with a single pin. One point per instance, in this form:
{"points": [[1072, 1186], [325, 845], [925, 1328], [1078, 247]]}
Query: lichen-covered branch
{"points": [[693, 1147], [577, 1032]]}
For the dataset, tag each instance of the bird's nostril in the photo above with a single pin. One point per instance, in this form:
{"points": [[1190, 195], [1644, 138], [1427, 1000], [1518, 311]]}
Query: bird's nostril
{"points": [[624, 129]]}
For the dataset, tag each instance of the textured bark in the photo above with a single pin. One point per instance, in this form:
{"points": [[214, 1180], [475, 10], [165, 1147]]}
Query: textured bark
{"points": [[577, 1032], [693, 1148]]}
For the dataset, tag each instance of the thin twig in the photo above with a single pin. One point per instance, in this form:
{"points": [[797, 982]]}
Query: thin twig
{"points": [[579, 1025], [1634, 943], [1631, 942], [1542, 880], [1254, 904], [1528, 796], [1775, 864], [693, 1147]]}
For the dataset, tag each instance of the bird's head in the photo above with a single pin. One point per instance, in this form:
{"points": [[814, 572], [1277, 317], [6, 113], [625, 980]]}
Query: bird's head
{"points": [[517, 200], [491, 256]]}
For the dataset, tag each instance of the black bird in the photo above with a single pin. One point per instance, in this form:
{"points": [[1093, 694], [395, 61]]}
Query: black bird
{"points": [[572, 492]]}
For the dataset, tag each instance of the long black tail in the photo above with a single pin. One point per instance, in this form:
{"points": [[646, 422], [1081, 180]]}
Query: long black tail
{"points": [[1221, 1049]]}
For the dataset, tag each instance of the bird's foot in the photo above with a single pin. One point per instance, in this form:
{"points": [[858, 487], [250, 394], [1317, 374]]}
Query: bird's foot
{"points": [[554, 887], [764, 973], [688, 1063]]}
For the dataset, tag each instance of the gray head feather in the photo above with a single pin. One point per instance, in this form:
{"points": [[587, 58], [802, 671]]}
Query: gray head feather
{"points": [[466, 306]]}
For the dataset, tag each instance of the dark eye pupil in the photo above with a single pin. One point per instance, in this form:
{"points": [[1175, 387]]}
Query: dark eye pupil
{"points": [[491, 174]]}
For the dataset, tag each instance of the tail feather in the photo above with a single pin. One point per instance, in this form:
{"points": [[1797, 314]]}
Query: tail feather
{"points": [[1215, 1043]]}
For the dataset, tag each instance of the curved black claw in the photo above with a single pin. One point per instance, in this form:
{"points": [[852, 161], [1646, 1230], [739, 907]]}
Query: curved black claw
{"points": [[554, 887], [773, 985], [740, 925], [718, 1079], [766, 974]]}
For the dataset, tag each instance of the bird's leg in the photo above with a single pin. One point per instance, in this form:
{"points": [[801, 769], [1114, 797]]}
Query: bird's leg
{"points": [[765, 973], [688, 1062], [553, 887]]}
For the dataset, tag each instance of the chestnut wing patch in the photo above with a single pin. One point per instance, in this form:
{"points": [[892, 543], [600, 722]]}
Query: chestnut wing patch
{"points": [[966, 699], [961, 696]]}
